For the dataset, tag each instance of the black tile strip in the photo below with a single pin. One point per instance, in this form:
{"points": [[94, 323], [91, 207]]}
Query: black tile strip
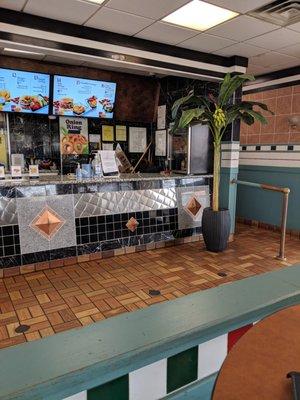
{"points": [[6, 262], [37, 257], [63, 253], [106, 247]]}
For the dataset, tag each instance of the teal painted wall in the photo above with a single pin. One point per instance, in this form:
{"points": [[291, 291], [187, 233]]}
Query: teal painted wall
{"points": [[265, 206]]}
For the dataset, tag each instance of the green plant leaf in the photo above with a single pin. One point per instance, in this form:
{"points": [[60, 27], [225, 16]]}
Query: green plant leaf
{"points": [[188, 115], [232, 115], [179, 103], [257, 116], [189, 100], [230, 86], [247, 118], [224, 85], [251, 104]]}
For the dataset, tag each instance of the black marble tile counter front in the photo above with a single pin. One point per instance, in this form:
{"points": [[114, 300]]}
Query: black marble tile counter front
{"points": [[52, 219]]}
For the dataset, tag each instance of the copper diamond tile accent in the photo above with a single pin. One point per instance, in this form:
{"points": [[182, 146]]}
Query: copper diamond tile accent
{"points": [[132, 224], [193, 206], [47, 223]]}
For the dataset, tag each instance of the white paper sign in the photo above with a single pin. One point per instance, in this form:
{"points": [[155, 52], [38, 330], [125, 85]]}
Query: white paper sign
{"points": [[107, 146], [17, 159], [137, 139], [16, 171], [161, 143], [33, 171], [108, 160], [94, 138], [161, 117], [2, 172]]}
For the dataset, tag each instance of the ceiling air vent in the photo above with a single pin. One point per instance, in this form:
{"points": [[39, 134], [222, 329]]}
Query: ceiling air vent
{"points": [[279, 12]]}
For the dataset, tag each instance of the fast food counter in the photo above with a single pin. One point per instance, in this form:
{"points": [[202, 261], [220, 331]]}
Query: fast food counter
{"points": [[56, 219]]}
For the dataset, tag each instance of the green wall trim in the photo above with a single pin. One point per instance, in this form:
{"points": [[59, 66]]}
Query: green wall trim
{"points": [[265, 206], [199, 390], [80, 359], [281, 170], [182, 369], [225, 170]]}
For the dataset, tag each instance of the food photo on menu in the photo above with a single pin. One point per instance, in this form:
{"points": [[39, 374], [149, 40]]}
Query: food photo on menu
{"points": [[26, 92], [83, 97]]}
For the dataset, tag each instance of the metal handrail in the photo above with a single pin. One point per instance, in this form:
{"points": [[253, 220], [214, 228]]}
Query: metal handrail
{"points": [[285, 191]]}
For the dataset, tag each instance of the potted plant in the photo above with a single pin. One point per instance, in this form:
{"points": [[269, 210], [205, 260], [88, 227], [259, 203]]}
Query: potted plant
{"points": [[217, 112]]}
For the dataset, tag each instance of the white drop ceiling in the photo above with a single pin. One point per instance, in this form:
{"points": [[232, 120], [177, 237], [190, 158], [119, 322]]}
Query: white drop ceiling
{"points": [[269, 47]]}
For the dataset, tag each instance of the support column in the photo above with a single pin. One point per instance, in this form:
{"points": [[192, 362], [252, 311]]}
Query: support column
{"points": [[229, 171]]}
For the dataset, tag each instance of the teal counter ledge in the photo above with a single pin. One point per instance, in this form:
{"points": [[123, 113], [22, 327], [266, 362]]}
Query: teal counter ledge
{"points": [[81, 359]]}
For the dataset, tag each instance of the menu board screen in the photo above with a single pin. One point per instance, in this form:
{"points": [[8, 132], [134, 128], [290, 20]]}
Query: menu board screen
{"points": [[84, 97], [22, 91]]}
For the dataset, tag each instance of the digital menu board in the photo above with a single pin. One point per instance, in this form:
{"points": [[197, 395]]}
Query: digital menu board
{"points": [[83, 97], [22, 91]]}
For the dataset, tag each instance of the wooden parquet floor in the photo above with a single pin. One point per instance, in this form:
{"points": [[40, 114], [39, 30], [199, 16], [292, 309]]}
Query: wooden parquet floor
{"points": [[59, 299]]}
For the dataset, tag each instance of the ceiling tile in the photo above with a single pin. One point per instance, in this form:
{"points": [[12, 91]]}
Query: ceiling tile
{"points": [[293, 50], [276, 39], [166, 33], [207, 43], [243, 27], [13, 5], [155, 9], [241, 49], [118, 21], [256, 69], [241, 6], [75, 11], [273, 59], [295, 27]]}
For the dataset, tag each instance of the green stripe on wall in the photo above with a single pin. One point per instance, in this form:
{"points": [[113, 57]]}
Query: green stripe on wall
{"points": [[182, 369], [117, 389]]}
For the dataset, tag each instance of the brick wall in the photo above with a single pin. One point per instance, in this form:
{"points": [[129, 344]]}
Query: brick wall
{"points": [[283, 102]]}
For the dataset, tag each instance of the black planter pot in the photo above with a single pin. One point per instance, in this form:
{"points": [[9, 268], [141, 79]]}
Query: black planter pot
{"points": [[216, 229]]}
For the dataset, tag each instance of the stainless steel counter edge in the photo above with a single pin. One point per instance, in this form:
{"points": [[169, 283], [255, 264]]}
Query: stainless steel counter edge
{"points": [[109, 179]]}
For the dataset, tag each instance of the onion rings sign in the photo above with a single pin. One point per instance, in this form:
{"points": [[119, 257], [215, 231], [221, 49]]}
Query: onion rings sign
{"points": [[73, 136]]}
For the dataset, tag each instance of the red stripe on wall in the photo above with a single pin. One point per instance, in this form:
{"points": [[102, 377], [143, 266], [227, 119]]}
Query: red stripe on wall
{"points": [[235, 335]]}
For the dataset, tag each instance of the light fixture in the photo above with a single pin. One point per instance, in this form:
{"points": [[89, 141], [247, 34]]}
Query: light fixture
{"points": [[294, 121], [95, 1], [199, 15], [8, 50], [118, 57]]}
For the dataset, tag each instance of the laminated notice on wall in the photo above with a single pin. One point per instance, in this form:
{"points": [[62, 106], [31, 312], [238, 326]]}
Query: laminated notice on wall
{"points": [[137, 139], [161, 143], [121, 133], [107, 133]]}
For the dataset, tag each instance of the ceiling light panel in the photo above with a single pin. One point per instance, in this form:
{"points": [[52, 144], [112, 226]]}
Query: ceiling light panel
{"points": [[8, 50], [95, 1], [199, 15]]}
